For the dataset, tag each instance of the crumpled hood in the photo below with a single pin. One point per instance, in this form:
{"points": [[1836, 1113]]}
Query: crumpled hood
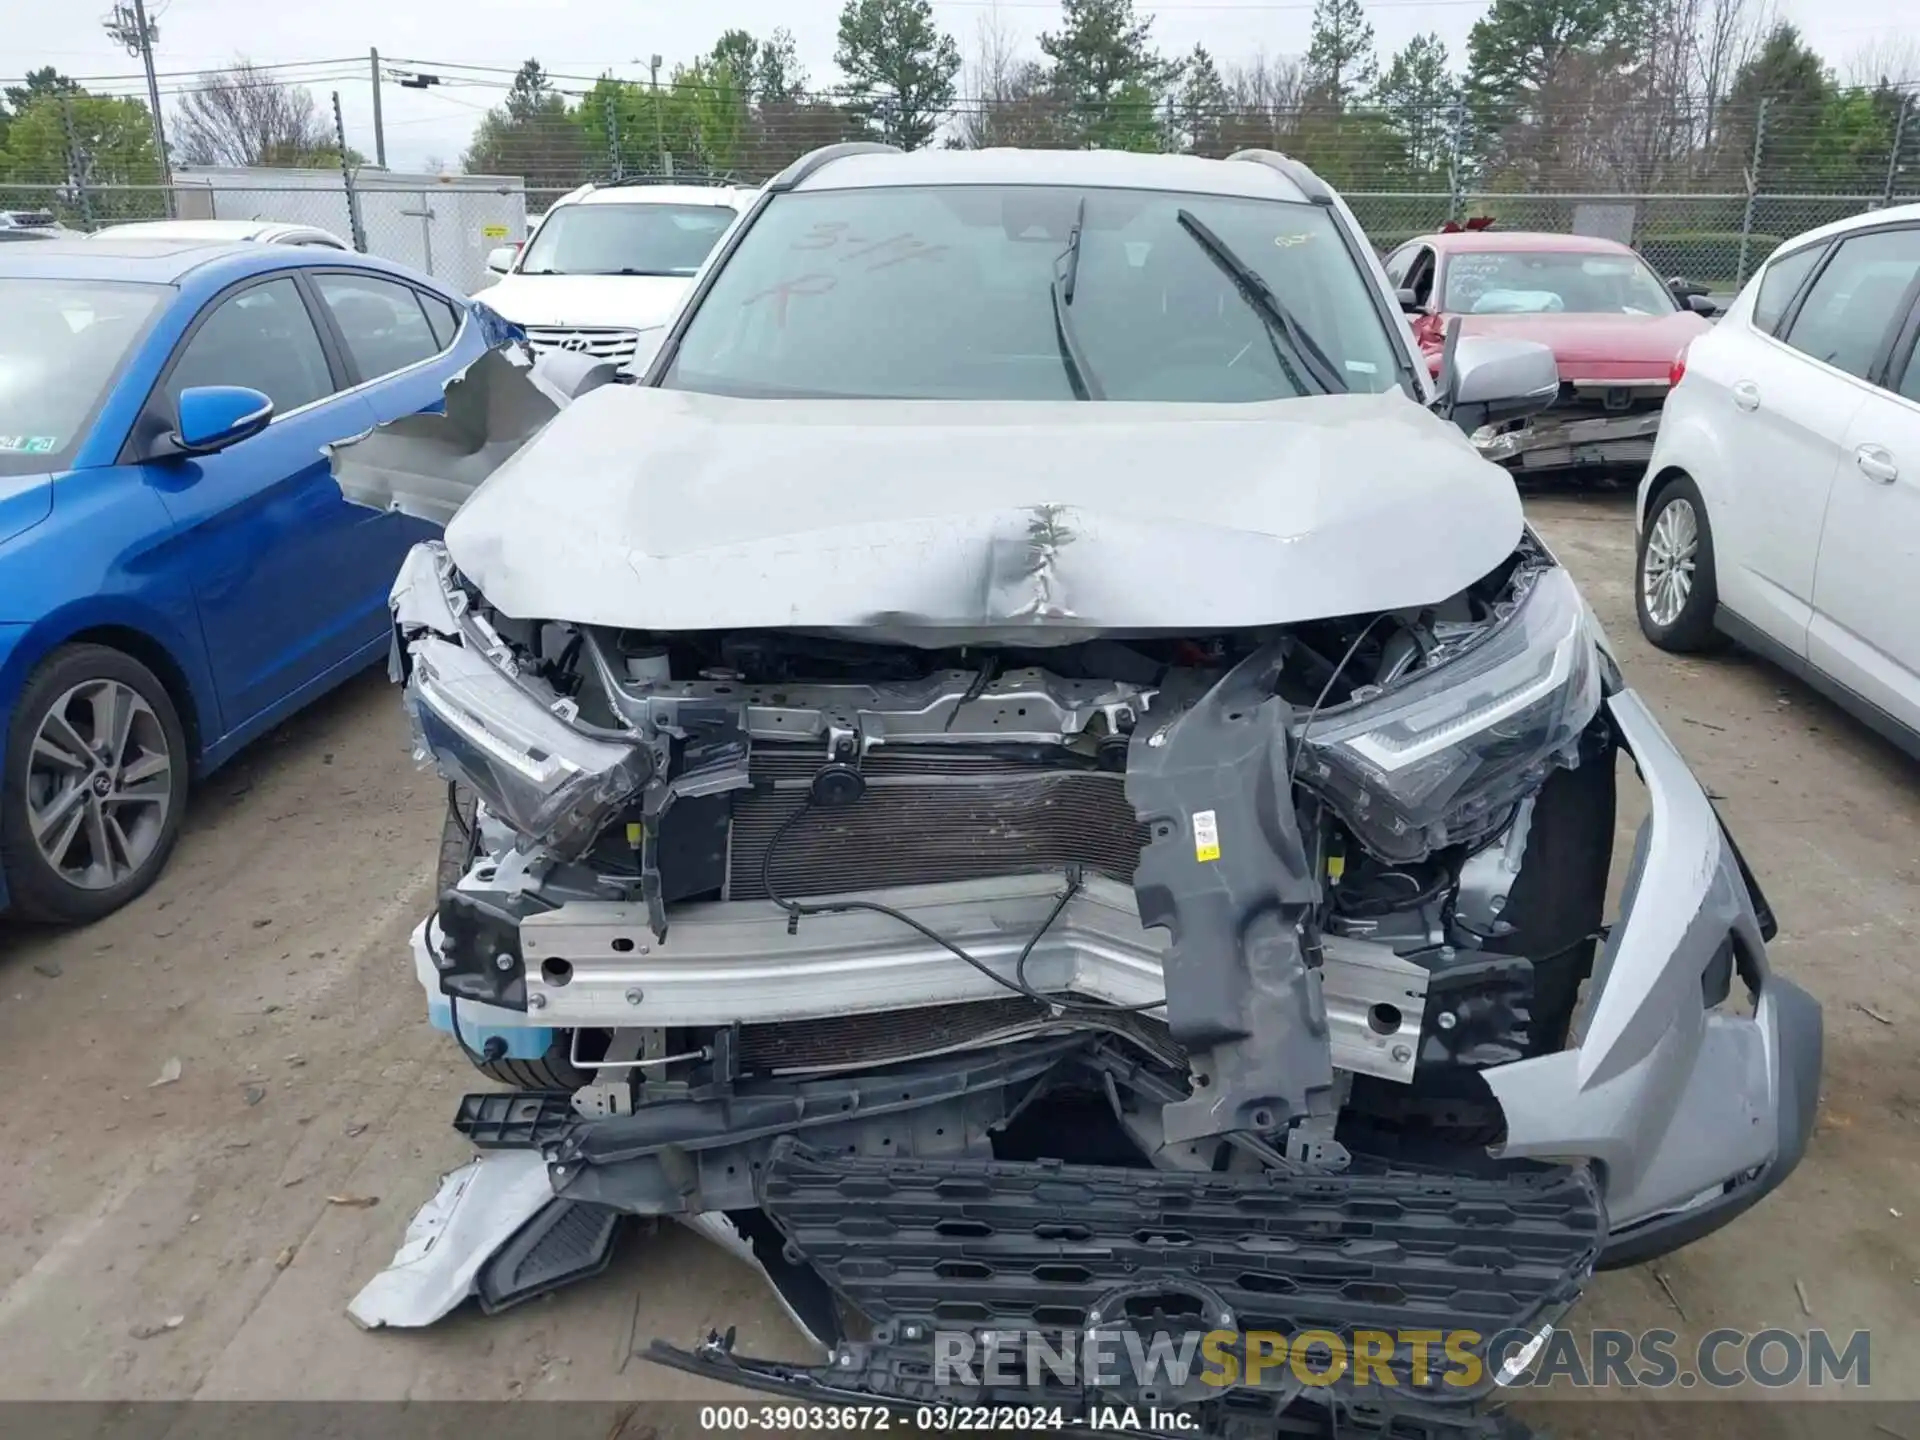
{"points": [[635, 301], [941, 523]]}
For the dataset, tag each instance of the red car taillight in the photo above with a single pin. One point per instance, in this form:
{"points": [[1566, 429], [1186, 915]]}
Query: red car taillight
{"points": [[1679, 370]]}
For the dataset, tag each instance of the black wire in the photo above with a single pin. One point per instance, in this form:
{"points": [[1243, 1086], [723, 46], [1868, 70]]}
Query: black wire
{"points": [[453, 812], [796, 909], [1300, 745]]}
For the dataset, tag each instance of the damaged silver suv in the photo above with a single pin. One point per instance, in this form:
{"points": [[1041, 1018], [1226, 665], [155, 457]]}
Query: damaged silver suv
{"points": [[1018, 769]]}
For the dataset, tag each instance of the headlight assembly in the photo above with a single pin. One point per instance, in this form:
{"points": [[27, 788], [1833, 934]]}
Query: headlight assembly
{"points": [[538, 774], [1433, 760]]}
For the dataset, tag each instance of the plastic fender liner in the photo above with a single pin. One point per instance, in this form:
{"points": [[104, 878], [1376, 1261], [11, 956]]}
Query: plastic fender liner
{"points": [[1226, 874]]}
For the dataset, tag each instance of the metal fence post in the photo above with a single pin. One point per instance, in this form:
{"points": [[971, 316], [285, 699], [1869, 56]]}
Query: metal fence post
{"points": [[359, 235], [1893, 156], [76, 166], [610, 109], [1456, 126], [1753, 187]]}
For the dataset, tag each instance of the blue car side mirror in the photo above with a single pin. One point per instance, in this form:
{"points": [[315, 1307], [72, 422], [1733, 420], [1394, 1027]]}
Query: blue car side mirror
{"points": [[212, 417]]}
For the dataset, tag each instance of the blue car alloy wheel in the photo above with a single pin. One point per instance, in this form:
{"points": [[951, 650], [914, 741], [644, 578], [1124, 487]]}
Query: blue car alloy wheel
{"points": [[95, 786]]}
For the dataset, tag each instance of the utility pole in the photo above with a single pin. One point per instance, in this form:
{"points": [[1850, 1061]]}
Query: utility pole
{"points": [[128, 25], [153, 95], [379, 128]]}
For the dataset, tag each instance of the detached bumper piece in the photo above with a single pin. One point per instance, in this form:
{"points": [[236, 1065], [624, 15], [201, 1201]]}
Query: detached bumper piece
{"points": [[1000, 1250]]}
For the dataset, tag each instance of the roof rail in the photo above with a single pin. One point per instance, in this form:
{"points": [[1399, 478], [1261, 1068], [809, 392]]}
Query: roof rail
{"points": [[814, 160], [1310, 184], [690, 177]]}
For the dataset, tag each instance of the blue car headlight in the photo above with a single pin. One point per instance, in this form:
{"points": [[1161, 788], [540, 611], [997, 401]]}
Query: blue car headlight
{"points": [[555, 786], [1438, 758]]}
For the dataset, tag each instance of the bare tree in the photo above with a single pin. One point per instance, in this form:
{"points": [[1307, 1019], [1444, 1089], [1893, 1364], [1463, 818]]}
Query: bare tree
{"points": [[246, 116], [1007, 98], [1889, 59], [1266, 95]]}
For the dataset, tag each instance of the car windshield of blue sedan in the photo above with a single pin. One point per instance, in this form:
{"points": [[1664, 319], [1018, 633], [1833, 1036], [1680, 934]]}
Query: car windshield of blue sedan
{"points": [[979, 292], [62, 344]]}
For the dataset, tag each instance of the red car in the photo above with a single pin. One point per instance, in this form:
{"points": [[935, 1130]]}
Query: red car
{"points": [[1613, 325]]}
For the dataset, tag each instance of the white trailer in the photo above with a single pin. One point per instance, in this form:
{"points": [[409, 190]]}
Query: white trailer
{"points": [[443, 225]]}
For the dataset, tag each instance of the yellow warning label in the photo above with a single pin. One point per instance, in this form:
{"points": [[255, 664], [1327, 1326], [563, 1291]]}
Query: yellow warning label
{"points": [[494, 232], [1206, 836]]}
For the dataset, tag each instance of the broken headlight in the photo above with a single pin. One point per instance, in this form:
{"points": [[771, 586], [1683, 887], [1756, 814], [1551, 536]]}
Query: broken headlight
{"points": [[1440, 757], [551, 783]]}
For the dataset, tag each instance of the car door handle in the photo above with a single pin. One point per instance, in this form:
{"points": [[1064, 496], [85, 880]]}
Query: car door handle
{"points": [[1876, 463], [1746, 395]]}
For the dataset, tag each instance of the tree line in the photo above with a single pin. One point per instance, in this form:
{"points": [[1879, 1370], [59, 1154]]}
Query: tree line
{"points": [[1611, 96]]}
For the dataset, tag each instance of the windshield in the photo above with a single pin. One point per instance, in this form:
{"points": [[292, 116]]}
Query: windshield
{"points": [[63, 343], [605, 239], [1534, 282], [958, 292]]}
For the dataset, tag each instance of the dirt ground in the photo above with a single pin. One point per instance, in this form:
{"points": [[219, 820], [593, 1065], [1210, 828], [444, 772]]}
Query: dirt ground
{"points": [[270, 964]]}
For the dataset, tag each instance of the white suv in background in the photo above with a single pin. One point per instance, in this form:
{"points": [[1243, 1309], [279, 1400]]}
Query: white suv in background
{"points": [[608, 261], [1782, 504]]}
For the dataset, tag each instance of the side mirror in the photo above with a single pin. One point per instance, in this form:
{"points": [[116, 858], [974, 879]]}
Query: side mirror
{"points": [[212, 417], [500, 259], [1484, 381], [1409, 302], [1701, 305]]}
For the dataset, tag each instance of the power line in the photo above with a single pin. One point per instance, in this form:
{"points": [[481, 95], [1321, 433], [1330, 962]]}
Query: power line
{"points": [[141, 75]]}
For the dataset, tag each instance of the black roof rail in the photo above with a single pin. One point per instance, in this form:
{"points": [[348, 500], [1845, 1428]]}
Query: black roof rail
{"points": [[1310, 184], [691, 177], [814, 160]]}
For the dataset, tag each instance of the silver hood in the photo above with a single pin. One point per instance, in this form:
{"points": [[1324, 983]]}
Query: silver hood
{"points": [[941, 522]]}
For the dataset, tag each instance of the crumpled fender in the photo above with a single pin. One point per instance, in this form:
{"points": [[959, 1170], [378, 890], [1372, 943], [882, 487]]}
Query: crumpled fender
{"points": [[426, 465]]}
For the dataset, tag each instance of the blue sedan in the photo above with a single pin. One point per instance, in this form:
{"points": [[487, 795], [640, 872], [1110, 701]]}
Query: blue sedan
{"points": [[178, 569]]}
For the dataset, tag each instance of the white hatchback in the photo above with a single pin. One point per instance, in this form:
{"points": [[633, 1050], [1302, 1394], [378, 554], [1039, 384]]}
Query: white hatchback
{"points": [[1782, 504]]}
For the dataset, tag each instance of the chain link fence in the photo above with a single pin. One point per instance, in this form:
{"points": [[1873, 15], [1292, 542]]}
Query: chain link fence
{"points": [[441, 229], [1704, 190]]}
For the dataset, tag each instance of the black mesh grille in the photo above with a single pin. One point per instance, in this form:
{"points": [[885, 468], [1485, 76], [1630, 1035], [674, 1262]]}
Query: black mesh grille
{"points": [[930, 814]]}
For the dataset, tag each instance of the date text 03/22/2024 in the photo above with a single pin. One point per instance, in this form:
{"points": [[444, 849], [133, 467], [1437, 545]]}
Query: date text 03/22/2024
{"points": [[784, 1419]]}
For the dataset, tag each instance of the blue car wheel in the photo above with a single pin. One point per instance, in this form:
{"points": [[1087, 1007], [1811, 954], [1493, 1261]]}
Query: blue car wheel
{"points": [[95, 786]]}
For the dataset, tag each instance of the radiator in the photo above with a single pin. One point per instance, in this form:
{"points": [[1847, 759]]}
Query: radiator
{"points": [[930, 814]]}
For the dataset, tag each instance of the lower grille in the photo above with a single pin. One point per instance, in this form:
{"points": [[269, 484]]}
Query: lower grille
{"points": [[921, 1246], [930, 814]]}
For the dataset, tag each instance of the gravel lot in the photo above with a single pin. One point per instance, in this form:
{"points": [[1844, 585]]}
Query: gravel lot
{"points": [[270, 964]]}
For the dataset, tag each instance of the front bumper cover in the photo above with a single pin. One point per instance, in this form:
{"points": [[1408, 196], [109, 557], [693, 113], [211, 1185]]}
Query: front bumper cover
{"points": [[1549, 442]]}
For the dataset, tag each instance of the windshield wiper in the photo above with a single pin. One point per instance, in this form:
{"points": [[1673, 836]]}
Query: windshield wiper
{"points": [[1066, 270], [1279, 320]]}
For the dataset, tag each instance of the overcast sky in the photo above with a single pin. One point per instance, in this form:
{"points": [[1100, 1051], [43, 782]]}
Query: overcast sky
{"points": [[586, 37]]}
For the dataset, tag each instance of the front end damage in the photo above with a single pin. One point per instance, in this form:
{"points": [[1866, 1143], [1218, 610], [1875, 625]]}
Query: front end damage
{"points": [[1594, 425], [1017, 975]]}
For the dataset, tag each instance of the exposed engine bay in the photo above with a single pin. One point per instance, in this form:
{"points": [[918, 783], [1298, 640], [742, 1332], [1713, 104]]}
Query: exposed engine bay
{"points": [[1008, 967]]}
